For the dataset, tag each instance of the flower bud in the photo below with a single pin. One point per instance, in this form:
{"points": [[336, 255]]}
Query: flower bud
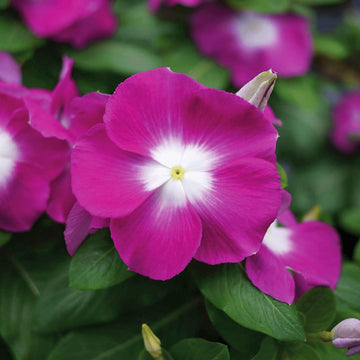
{"points": [[347, 335], [152, 342], [258, 90]]}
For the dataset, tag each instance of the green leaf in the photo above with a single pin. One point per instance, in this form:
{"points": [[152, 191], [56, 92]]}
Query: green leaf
{"points": [[199, 349], [245, 341], [4, 237], [266, 6], [227, 287], [186, 59], [269, 350], [327, 351], [4, 4], [318, 305], [120, 58], [283, 176], [60, 307], [97, 265], [18, 37], [304, 112], [329, 46], [347, 291], [350, 220], [319, 184], [300, 352], [123, 340], [18, 293]]}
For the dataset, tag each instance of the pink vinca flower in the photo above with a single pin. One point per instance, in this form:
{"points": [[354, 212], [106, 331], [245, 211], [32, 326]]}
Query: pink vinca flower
{"points": [[9, 69], [76, 21], [65, 116], [155, 4], [247, 42], [28, 163], [311, 249], [346, 116], [181, 170]]}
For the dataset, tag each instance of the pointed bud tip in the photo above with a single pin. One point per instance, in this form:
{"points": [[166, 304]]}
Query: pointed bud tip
{"points": [[151, 341], [258, 90]]}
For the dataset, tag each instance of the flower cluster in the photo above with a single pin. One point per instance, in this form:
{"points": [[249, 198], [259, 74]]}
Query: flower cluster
{"points": [[176, 170]]}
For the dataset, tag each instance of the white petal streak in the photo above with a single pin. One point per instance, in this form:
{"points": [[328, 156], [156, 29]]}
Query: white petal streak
{"points": [[196, 184], [8, 156], [153, 175], [197, 158], [172, 194], [169, 153], [256, 31], [277, 239]]}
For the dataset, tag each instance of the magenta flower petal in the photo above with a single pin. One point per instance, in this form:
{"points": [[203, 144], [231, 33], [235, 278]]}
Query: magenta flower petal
{"points": [[133, 129], [10, 71], [346, 118], [23, 199], [315, 253], [100, 24], [85, 112], [45, 123], [248, 43], [121, 189], [233, 227], [159, 238], [47, 154], [77, 228], [265, 269], [136, 120], [311, 249], [76, 21], [61, 198]]}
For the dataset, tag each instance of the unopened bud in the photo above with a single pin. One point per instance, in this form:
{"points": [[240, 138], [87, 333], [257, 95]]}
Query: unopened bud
{"points": [[346, 334], [152, 342], [258, 90]]}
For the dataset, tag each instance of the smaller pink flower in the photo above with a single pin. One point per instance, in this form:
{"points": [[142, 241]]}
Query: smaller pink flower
{"points": [[248, 43], [65, 116], [347, 335], [155, 4], [311, 249], [28, 163], [9, 69], [76, 21], [346, 116]]}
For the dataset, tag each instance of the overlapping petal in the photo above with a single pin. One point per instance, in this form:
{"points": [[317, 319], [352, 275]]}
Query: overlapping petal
{"points": [[107, 181], [188, 113], [233, 226], [158, 239]]}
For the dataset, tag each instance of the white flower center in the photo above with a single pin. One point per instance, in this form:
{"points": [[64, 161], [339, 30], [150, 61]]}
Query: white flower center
{"points": [[277, 239], [256, 31], [183, 170], [8, 156]]}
